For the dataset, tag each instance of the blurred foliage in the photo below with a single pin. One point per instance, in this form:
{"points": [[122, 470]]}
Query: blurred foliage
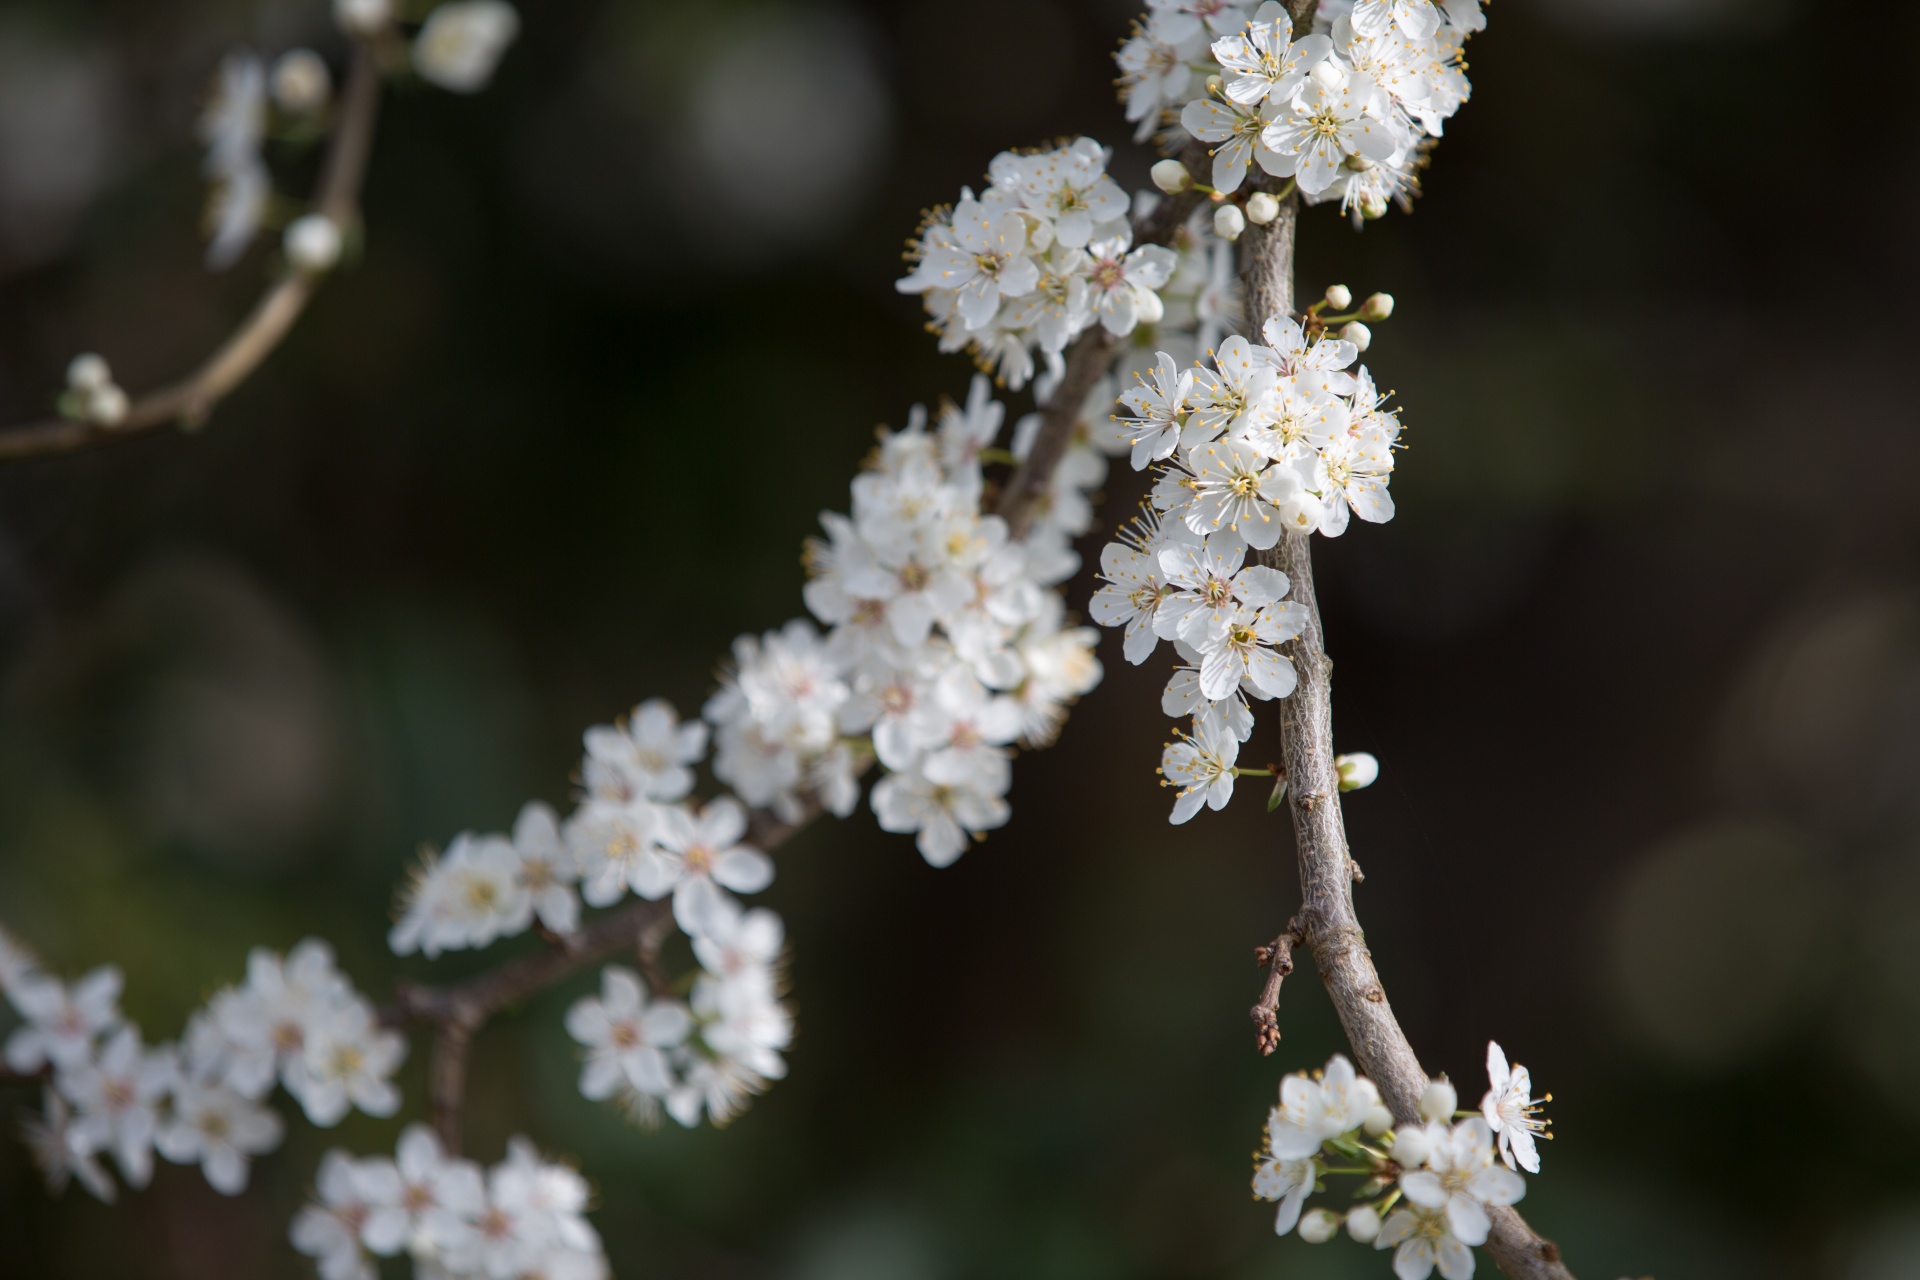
{"points": [[1640, 653]]}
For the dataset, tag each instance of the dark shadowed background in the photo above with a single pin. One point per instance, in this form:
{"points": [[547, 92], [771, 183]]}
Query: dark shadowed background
{"points": [[1640, 654]]}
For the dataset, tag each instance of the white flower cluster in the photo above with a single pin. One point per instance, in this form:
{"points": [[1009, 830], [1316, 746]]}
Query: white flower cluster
{"points": [[1348, 111], [1038, 258], [296, 1020], [712, 1056], [523, 1218], [947, 644], [1445, 1169], [1261, 440]]}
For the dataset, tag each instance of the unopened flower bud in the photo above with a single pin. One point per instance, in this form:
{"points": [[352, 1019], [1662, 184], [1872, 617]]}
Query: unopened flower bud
{"points": [[89, 372], [1229, 222], [301, 83], [1377, 307], [1262, 208], [1440, 1101], [1358, 334], [1213, 84], [1171, 176], [1373, 205], [362, 17], [1363, 1223], [313, 243], [1378, 1121], [1359, 770], [1329, 76], [1317, 1226], [107, 406], [1411, 1148], [1339, 297]]}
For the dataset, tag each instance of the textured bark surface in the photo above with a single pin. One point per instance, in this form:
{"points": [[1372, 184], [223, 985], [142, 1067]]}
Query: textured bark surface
{"points": [[1327, 917]]}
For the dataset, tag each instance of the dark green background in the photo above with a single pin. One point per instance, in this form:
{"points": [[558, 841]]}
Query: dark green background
{"points": [[1640, 654]]}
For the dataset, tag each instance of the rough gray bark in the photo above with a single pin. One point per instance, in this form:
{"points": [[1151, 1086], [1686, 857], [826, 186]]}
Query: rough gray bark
{"points": [[1327, 919]]}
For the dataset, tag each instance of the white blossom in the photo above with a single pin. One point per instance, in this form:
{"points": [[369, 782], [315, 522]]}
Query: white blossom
{"points": [[697, 856], [649, 756], [1421, 1241], [1201, 766], [1288, 1181], [50, 1137], [219, 1129], [1461, 1177], [468, 896], [548, 871], [1313, 1110], [117, 1101], [941, 815], [463, 41], [1511, 1111], [62, 1023], [626, 1036]]}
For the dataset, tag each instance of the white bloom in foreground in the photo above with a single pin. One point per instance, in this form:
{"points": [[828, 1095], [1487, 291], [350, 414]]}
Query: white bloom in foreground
{"points": [[1235, 488], [1511, 1110], [437, 1193], [1462, 1178], [463, 41], [50, 1138], [1288, 1181], [1202, 767], [626, 1037], [649, 757], [349, 1062], [1207, 586], [117, 1101], [696, 857], [548, 871], [1418, 19], [942, 815], [1421, 1241], [62, 1023], [1264, 60], [1312, 1111], [981, 254], [220, 1130], [356, 1211], [1159, 412], [468, 897], [1322, 126]]}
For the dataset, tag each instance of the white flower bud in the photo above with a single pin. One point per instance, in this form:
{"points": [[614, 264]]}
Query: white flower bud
{"points": [[106, 406], [1358, 334], [362, 17], [313, 243], [1339, 297], [1171, 176], [1229, 222], [1373, 205], [463, 42], [1329, 76], [1378, 1121], [1358, 770], [1363, 1223], [1262, 208], [1441, 1100], [89, 372], [1213, 84], [1317, 1226], [1411, 1147], [1377, 307], [301, 83]]}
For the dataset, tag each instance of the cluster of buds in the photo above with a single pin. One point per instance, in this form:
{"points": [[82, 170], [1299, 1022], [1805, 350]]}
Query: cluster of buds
{"points": [[91, 394]]}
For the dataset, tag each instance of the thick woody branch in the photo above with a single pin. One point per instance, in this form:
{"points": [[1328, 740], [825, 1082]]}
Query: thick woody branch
{"points": [[1330, 924], [188, 403]]}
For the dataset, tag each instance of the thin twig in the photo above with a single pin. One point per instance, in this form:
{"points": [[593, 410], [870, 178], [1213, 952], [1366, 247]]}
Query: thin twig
{"points": [[1278, 957], [1332, 928], [189, 402]]}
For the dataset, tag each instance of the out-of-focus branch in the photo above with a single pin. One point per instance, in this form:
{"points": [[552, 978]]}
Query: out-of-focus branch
{"points": [[10, 1077], [1328, 922], [189, 402]]}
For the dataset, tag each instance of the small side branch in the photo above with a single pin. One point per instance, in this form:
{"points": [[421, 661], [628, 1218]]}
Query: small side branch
{"points": [[189, 402], [447, 1081], [1278, 957]]}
